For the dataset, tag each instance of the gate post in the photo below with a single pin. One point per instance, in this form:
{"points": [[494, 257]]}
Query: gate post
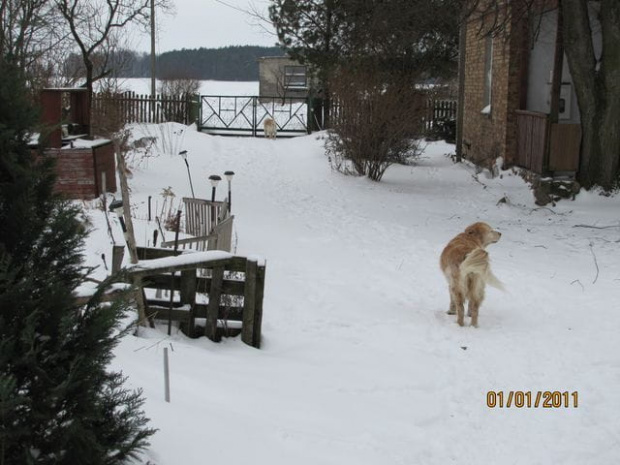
{"points": [[194, 108], [309, 115], [254, 119]]}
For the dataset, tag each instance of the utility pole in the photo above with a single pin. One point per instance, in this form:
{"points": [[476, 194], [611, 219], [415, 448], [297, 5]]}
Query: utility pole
{"points": [[153, 49]]}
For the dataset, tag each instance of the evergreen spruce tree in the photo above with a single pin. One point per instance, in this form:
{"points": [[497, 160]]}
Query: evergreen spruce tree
{"points": [[58, 402]]}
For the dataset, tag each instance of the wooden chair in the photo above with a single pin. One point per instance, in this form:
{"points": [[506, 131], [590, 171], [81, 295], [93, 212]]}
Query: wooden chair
{"points": [[219, 239]]}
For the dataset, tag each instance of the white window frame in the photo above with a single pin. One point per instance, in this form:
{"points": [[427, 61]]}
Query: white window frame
{"points": [[488, 74], [295, 77]]}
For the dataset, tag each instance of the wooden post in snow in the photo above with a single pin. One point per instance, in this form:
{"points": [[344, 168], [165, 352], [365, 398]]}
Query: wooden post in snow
{"points": [[131, 238], [213, 307], [249, 302], [166, 375]]}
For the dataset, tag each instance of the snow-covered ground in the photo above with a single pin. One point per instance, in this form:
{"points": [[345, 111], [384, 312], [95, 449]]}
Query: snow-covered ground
{"points": [[360, 364], [234, 88]]}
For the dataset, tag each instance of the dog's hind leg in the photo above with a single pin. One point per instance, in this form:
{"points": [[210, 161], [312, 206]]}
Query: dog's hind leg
{"points": [[475, 291], [457, 301]]}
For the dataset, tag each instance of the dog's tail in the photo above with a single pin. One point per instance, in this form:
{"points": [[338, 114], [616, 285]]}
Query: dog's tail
{"points": [[477, 261]]}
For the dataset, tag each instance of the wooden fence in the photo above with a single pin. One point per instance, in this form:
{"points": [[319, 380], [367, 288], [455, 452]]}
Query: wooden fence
{"points": [[439, 111], [234, 286], [130, 107], [243, 116]]}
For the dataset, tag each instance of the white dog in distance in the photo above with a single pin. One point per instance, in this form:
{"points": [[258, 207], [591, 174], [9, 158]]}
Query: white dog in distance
{"points": [[270, 128]]}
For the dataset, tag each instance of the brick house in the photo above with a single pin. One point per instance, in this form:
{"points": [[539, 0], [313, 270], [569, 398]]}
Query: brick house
{"points": [[516, 104]]}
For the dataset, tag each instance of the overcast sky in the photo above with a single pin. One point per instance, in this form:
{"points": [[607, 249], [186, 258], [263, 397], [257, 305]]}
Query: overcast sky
{"points": [[209, 24]]}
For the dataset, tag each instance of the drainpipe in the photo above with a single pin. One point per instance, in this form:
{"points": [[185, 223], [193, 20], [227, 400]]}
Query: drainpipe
{"points": [[461, 97]]}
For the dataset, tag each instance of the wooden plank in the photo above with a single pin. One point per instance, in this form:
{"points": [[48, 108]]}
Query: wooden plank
{"points": [[150, 253], [233, 263], [249, 303], [203, 284], [531, 140], [163, 313], [189, 241], [565, 147], [231, 313], [214, 302], [188, 296], [258, 317], [118, 251], [223, 235], [188, 286]]}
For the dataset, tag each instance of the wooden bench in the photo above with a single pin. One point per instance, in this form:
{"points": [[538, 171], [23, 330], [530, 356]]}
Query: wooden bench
{"points": [[219, 239]]}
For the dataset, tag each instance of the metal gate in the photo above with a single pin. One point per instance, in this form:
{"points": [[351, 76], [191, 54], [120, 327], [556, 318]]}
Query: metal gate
{"points": [[244, 116]]}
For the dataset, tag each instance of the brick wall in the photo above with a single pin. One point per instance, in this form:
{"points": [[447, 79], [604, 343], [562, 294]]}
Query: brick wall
{"points": [[488, 136], [75, 169], [79, 170]]}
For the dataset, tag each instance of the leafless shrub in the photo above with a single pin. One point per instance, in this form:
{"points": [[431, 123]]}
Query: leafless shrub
{"points": [[178, 87], [376, 121]]}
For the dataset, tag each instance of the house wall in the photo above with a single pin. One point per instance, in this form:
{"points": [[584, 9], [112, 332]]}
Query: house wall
{"points": [[492, 135], [541, 67], [271, 78]]}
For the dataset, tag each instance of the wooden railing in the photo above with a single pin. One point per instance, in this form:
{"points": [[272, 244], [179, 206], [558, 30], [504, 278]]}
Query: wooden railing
{"points": [[532, 140]]}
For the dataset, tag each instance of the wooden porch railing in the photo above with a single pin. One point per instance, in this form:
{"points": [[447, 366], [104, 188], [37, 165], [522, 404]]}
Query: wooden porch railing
{"points": [[545, 148], [531, 140]]}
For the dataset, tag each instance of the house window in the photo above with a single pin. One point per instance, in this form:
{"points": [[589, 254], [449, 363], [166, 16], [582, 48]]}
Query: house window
{"points": [[488, 73], [295, 77]]}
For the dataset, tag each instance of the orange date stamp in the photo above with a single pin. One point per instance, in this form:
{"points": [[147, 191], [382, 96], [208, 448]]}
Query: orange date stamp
{"points": [[532, 399]]}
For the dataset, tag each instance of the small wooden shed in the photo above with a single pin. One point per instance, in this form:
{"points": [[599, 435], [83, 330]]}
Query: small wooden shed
{"points": [[85, 166]]}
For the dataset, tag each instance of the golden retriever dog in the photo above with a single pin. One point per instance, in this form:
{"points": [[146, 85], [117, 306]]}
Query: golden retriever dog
{"points": [[270, 128], [465, 264]]}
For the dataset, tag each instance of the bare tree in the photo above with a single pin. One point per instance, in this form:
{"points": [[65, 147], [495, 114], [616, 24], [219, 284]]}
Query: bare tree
{"points": [[97, 24], [31, 34]]}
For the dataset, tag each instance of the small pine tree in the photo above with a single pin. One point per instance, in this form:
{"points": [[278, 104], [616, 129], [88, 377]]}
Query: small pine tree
{"points": [[58, 402]]}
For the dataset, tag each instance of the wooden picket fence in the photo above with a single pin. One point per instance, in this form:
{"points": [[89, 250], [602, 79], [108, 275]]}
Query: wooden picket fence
{"points": [[129, 107], [439, 111]]}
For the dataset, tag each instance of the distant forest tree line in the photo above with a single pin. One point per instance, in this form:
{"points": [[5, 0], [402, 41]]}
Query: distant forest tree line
{"points": [[234, 63]]}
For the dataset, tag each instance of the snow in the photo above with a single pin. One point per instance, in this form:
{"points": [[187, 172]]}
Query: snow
{"points": [[87, 143], [181, 260], [207, 87], [359, 361]]}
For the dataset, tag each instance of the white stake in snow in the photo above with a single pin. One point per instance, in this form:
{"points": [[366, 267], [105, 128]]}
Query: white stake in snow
{"points": [[166, 376]]}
